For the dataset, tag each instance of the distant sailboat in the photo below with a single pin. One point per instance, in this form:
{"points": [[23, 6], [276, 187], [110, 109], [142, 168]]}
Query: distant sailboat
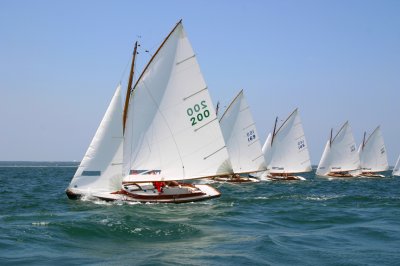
{"points": [[373, 154], [340, 158], [170, 130], [241, 138], [396, 169], [286, 151]]}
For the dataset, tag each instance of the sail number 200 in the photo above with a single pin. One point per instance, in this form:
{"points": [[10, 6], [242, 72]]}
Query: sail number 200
{"points": [[198, 112]]}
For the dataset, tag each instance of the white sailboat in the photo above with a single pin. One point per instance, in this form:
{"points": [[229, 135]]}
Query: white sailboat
{"points": [[396, 169], [340, 158], [171, 131], [286, 151], [373, 156], [241, 138]]}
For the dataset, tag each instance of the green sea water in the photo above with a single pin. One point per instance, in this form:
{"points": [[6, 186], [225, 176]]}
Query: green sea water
{"points": [[313, 222]]}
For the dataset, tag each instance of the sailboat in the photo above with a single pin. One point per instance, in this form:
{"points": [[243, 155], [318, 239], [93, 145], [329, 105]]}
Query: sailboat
{"points": [[286, 151], [373, 156], [170, 131], [340, 158], [241, 138], [396, 169]]}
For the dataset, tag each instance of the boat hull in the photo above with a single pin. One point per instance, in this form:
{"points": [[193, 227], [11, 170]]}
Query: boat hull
{"points": [[240, 179], [183, 193], [285, 178]]}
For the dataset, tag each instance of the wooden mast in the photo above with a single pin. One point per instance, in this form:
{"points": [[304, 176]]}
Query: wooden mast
{"points": [[129, 89], [273, 133], [363, 143], [158, 50]]}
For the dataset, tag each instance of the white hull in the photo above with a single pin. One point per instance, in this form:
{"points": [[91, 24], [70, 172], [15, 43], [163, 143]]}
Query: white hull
{"points": [[371, 175], [179, 194]]}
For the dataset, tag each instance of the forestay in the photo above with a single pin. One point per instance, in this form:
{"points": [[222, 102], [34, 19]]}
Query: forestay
{"points": [[372, 152], [172, 132], [288, 152], [101, 167], [340, 154], [241, 137]]}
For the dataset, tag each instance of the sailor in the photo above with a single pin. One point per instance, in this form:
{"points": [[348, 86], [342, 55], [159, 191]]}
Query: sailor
{"points": [[159, 185]]}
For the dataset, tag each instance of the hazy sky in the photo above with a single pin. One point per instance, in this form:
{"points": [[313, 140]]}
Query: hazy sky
{"points": [[60, 62]]}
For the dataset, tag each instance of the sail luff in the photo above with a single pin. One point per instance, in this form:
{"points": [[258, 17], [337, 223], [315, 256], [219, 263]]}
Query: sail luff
{"points": [[129, 88], [231, 104], [287, 119], [340, 130], [156, 53]]}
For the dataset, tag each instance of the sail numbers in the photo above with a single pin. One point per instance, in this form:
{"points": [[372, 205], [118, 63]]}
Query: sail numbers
{"points": [[301, 144], [251, 135], [198, 112]]}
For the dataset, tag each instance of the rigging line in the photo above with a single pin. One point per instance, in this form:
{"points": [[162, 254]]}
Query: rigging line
{"points": [[124, 70], [194, 94]]}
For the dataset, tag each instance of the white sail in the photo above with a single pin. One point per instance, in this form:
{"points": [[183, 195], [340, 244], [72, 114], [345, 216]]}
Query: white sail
{"points": [[101, 167], [289, 151], [373, 153], [340, 154], [241, 137], [396, 169], [266, 149], [172, 132]]}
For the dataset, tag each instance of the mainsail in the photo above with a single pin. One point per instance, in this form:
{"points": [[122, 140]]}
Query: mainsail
{"points": [[340, 154], [101, 167], [373, 153], [286, 150], [241, 137], [172, 132], [396, 169]]}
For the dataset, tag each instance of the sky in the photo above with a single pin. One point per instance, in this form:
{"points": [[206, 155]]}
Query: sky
{"points": [[60, 62]]}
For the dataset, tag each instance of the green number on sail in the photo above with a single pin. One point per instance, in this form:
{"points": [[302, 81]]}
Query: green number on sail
{"points": [[198, 112]]}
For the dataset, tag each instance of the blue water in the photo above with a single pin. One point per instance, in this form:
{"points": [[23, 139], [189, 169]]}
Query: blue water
{"points": [[315, 222]]}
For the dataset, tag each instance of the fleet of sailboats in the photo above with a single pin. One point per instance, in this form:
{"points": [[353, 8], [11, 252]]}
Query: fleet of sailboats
{"points": [[286, 151], [167, 132]]}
